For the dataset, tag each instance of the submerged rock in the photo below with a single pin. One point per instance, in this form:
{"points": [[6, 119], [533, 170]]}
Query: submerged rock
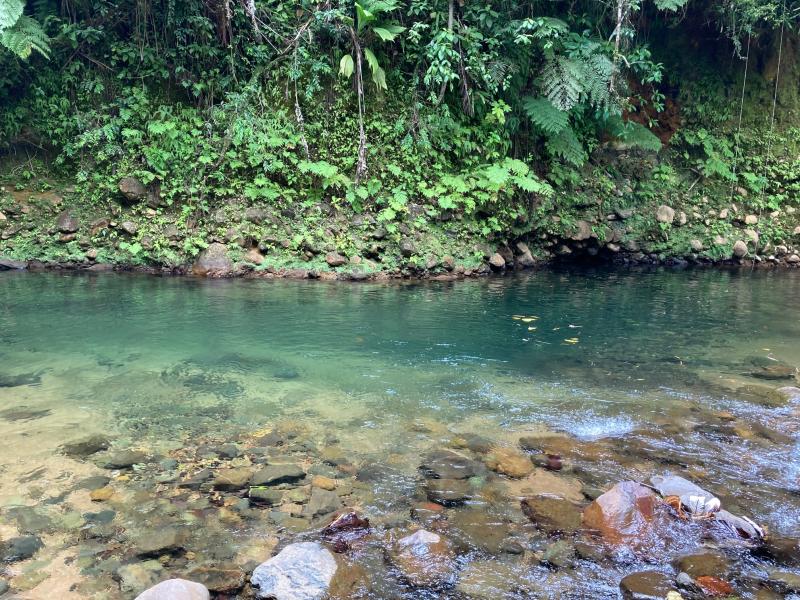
{"points": [[125, 459], [277, 474], [86, 446], [776, 371], [448, 492], [262, 496], [301, 571], [646, 585], [175, 589], [424, 559], [552, 514], [703, 564], [220, 579], [508, 461], [159, 541], [232, 479], [20, 548], [322, 502], [445, 464]]}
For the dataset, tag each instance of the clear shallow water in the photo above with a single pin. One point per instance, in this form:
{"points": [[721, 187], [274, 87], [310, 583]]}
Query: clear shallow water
{"points": [[642, 372]]}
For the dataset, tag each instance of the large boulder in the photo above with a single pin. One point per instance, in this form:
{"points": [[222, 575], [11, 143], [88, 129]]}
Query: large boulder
{"points": [[7, 264], [132, 189], [665, 214], [582, 231], [300, 571], [66, 222], [213, 262], [424, 559], [628, 514], [551, 514], [739, 249], [175, 589]]}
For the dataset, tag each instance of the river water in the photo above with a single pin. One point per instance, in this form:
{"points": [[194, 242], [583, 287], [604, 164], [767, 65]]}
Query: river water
{"points": [[625, 374]]}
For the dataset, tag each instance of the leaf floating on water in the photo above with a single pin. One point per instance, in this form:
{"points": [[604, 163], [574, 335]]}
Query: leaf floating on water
{"points": [[571, 326], [556, 328], [531, 328], [572, 340], [529, 319], [517, 317]]}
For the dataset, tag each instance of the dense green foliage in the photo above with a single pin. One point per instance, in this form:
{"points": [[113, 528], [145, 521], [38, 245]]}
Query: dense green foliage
{"points": [[497, 111]]}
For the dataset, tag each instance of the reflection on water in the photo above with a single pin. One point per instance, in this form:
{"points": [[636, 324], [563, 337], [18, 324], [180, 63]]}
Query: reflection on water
{"points": [[639, 373]]}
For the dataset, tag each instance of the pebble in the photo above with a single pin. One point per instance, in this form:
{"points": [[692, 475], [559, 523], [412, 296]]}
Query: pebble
{"points": [[175, 589]]}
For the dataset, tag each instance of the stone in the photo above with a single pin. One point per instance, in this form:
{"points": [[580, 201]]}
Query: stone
{"points": [[132, 189], [559, 554], [322, 502], [713, 586], [92, 483], [693, 498], [255, 215], [335, 260], [478, 529], [225, 579], [448, 492], [254, 256], [19, 548], [751, 220], [774, 372], [87, 446], [526, 260], [260, 496], [508, 461], [582, 231], [101, 494], [785, 580], [646, 585], [407, 248], [129, 227], [793, 259], [301, 571], [702, 564], [324, 483], [125, 459], [665, 214], [136, 577], [213, 262], [3, 586], [277, 474], [424, 559], [740, 249], [723, 214], [544, 483], [784, 550], [175, 589], [233, 479], [497, 262], [7, 264], [66, 222], [493, 580], [626, 514], [472, 441], [445, 464], [552, 514], [154, 542], [696, 245]]}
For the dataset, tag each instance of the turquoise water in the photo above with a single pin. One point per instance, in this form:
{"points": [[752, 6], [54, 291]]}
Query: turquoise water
{"points": [[640, 364]]}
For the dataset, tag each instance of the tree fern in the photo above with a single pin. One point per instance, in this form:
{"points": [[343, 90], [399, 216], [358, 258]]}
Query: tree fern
{"points": [[561, 82], [10, 12], [544, 115], [567, 147], [24, 37], [634, 134]]}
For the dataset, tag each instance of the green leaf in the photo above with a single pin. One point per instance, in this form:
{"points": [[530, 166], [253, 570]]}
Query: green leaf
{"points": [[385, 34], [346, 66], [544, 115], [364, 17], [671, 5], [378, 74], [10, 12]]}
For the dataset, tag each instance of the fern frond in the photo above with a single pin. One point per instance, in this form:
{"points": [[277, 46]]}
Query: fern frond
{"points": [[634, 134], [567, 147], [24, 37], [10, 12], [544, 115], [561, 82]]}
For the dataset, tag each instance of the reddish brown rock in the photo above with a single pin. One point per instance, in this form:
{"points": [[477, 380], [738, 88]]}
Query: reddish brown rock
{"points": [[629, 513]]}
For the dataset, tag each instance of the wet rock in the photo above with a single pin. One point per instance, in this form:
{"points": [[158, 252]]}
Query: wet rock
{"points": [[277, 474], [544, 483], [551, 462], [322, 502], [560, 554], [344, 530], [261, 496], [789, 393], [629, 513], [213, 262], [740, 249], [335, 260], [7, 264], [324, 483], [646, 585], [300, 571], [739, 526], [497, 262], [132, 189], [471, 441], [136, 577], [155, 542], [445, 464], [233, 479], [86, 446], [582, 231], [448, 492], [66, 222], [551, 514], [508, 461], [713, 586], [195, 481], [775, 372], [478, 528], [219, 579], [785, 581], [424, 559], [92, 483], [176, 589], [101, 494], [125, 459], [763, 395], [703, 564], [3, 586], [783, 550], [19, 548]]}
